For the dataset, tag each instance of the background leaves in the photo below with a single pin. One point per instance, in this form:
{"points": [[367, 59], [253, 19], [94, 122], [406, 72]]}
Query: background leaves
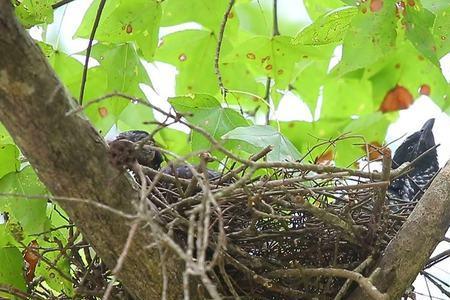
{"points": [[398, 45]]}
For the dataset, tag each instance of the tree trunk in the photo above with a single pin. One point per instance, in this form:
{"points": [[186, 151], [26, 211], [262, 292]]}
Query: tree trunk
{"points": [[411, 248], [70, 158]]}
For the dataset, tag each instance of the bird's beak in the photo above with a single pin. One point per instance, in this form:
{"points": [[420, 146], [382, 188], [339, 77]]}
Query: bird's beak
{"points": [[426, 135], [428, 126]]}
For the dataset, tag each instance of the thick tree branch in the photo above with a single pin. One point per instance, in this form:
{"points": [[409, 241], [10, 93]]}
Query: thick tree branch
{"points": [[70, 158], [409, 251]]}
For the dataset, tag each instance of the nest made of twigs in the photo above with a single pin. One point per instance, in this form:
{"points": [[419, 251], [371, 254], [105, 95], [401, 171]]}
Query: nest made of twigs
{"points": [[297, 217]]}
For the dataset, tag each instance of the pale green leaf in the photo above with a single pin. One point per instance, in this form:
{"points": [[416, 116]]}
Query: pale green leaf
{"points": [[262, 136], [318, 8], [329, 28]]}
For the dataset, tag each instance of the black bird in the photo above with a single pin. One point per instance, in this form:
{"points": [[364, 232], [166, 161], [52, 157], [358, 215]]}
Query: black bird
{"points": [[410, 186]]}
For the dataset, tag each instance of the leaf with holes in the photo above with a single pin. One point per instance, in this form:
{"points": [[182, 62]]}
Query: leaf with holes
{"points": [[329, 28], [33, 12]]}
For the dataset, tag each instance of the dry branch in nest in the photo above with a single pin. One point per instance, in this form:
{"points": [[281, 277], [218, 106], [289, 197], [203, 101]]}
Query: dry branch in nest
{"points": [[299, 231]]}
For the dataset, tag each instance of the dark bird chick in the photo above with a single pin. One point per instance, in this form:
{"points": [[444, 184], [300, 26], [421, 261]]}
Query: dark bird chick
{"points": [[410, 186], [126, 149], [153, 159]]}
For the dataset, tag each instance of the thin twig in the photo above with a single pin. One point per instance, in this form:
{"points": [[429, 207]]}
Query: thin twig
{"points": [[363, 282], [61, 3], [276, 30], [89, 48], [359, 269], [121, 259], [219, 46], [381, 195]]}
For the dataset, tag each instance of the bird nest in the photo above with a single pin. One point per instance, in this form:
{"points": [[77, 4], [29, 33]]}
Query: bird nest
{"points": [[290, 233]]}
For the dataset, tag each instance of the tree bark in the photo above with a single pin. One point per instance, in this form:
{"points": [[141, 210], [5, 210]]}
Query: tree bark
{"points": [[411, 248], [70, 158]]}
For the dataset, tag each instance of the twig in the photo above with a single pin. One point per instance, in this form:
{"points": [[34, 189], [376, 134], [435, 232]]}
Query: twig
{"points": [[359, 269], [89, 48], [363, 282], [276, 30], [219, 46], [264, 282], [437, 258], [16, 292], [436, 283], [121, 259], [352, 232], [380, 200], [70, 199], [61, 3], [267, 98]]}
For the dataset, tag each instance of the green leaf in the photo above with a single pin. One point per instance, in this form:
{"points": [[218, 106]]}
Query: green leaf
{"points": [[371, 127], [5, 137], [11, 272], [407, 67], [313, 133], [370, 37], [5, 236], [9, 161], [206, 112], [274, 57], [329, 28], [239, 77], [263, 136], [173, 140], [204, 12], [135, 116], [53, 278], [318, 8], [256, 18], [192, 52], [309, 82], [32, 12], [418, 24], [70, 71], [345, 97], [29, 212], [441, 32], [436, 6], [124, 73], [125, 21]]}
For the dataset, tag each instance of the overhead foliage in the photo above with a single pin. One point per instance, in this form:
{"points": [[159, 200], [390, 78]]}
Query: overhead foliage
{"points": [[391, 53]]}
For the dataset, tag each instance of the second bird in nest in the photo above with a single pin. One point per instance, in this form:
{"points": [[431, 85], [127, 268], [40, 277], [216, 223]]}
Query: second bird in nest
{"points": [[137, 145]]}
